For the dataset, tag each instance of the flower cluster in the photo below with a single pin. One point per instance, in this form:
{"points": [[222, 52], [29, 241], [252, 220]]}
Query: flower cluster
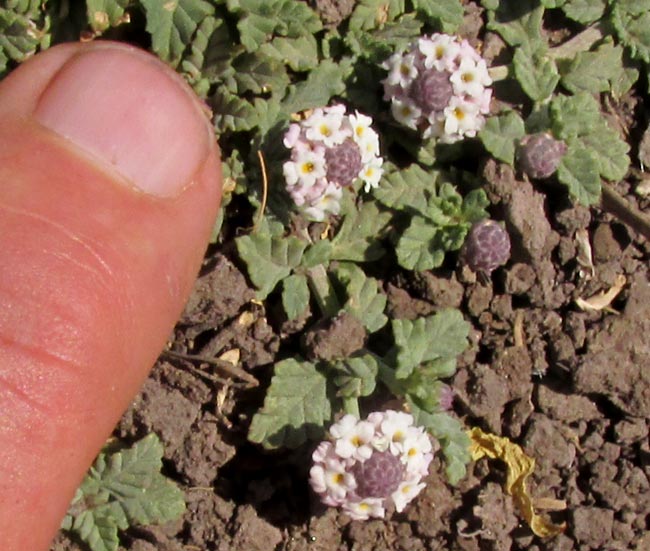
{"points": [[329, 151], [369, 465], [439, 87]]}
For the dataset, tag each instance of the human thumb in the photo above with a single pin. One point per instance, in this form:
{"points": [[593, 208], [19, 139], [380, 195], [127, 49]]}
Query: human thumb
{"points": [[109, 186]]}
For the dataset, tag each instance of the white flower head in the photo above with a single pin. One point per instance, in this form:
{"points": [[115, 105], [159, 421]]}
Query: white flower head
{"points": [[400, 454], [448, 74], [329, 151]]}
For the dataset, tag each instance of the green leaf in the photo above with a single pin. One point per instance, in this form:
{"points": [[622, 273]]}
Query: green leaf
{"points": [[631, 20], [579, 171], [232, 112], [123, 489], [407, 189], [295, 295], [99, 532], [318, 253], [501, 134], [323, 82], [474, 205], [356, 376], [370, 14], [453, 440], [596, 71], [172, 25], [261, 19], [416, 248], [536, 73], [573, 116], [300, 54], [517, 22], [358, 238], [259, 74], [365, 301], [295, 408], [439, 337], [446, 14], [103, 14], [609, 150], [23, 30], [269, 259], [584, 11]]}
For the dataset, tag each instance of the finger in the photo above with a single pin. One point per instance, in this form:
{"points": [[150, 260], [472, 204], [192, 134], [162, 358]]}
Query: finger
{"points": [[109, 186]]}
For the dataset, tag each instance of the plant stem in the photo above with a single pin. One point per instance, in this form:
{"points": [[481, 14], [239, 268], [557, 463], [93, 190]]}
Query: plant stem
{"points": [[351, 406], [579, 43], [613, 203], [320, 284]]}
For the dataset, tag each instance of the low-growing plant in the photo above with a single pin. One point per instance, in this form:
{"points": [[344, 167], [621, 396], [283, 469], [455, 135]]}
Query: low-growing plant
{"points": [[123, 488]]}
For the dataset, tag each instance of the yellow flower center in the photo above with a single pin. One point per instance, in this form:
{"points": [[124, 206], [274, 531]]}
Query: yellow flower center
{"points": [[440, 52], [338, 478], [325, 130], [308, 167], [356, 441], [459, 113], [467, 77]]}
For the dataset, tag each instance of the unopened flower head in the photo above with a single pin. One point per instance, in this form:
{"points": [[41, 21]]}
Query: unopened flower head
{"points": [[440, 87], [370, 465], [330, 150]]}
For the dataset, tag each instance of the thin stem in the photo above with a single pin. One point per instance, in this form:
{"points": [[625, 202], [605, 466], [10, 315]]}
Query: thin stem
{"points": [[613, 203], [219, 364], [351, 406]]}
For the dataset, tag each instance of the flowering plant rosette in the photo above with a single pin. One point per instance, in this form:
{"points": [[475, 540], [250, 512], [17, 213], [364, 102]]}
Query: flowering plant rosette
{"points": [[330, 150], [440, 87], [370, 465]]}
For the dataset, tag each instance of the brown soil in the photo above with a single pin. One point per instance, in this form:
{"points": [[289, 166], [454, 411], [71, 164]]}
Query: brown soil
{"points": [[571, 386]]}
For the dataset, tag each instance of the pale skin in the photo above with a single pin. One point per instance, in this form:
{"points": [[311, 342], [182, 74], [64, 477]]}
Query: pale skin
{"points": [[109, 185]]}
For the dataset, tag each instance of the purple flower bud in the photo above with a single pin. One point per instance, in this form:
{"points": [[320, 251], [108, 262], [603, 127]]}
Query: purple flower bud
{"points": [[378, 476], [486, 247], [343, 163], [432, 90], [540, 154]]}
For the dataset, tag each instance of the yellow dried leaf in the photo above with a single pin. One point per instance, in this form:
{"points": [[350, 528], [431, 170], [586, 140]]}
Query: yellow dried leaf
{"points": [[520, 466], [246, 319]]}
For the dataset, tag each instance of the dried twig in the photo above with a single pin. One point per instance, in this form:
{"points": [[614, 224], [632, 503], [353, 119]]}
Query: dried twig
{"points": [[227, 367]]}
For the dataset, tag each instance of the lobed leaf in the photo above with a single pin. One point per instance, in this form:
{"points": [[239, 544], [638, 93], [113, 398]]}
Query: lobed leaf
{"points": [[365, 301], [407, 189], [599, 71], [300, 53], [535, 72], [447, 15], [631, 21], [584, 11], [573, 116], [359, 237], [122, 489], [259, 74], [517, 22], [579, 171], [172, 25], [438, 337], [370, 14], [609, 150], [232, 112], [356, 376], [416, 248], [501, 134], [269, 259], [295, 408]]}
